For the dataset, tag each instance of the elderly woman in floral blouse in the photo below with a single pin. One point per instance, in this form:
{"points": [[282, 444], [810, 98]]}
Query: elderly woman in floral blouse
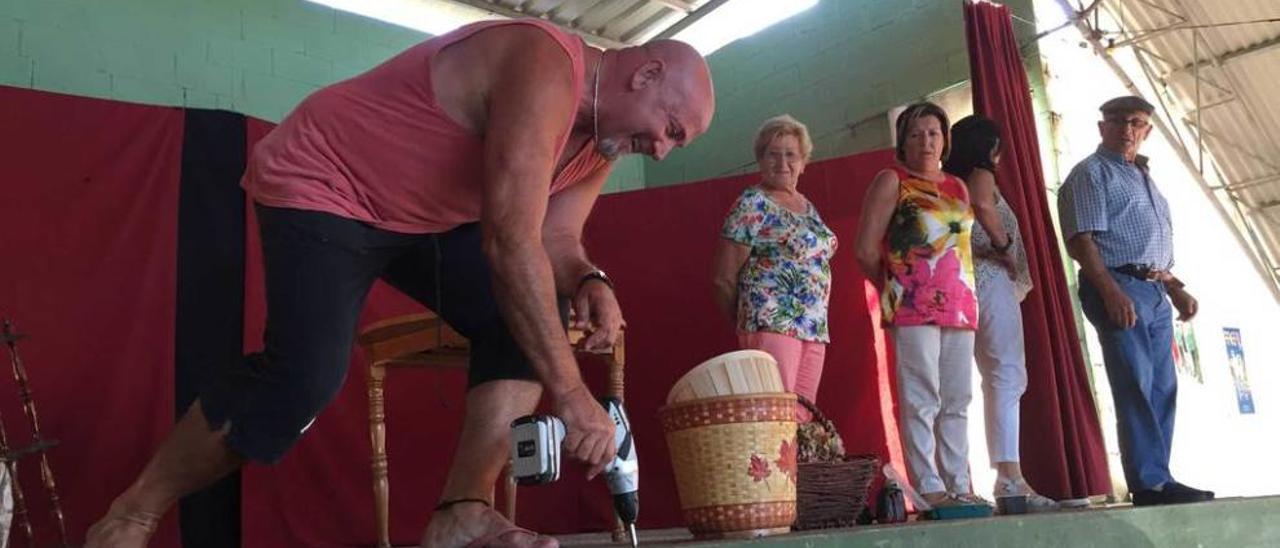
{"points": [[773, 274]]}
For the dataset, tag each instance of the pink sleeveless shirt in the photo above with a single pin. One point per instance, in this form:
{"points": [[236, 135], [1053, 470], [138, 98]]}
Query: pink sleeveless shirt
{"points": [[378, 149]]}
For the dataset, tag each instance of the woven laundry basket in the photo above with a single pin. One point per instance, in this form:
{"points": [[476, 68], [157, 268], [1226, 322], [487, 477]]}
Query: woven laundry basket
{"points": [[734, 459], [831, 491]]}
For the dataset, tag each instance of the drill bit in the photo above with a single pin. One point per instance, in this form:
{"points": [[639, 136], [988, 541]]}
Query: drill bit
{"points": [[631, 531]]}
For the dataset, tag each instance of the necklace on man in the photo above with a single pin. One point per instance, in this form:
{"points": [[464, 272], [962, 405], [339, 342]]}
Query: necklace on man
{"points": [[595, 102]]}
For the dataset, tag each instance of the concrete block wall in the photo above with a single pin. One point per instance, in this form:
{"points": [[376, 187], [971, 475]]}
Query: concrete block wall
{"points": [[838, 67], [258, 57]]}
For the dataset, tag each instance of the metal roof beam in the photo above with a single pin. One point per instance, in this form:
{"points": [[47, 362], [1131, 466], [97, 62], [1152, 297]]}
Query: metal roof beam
{"points": [[504, 11], [690, 19], [1220, 60], [1157, 56], [1250, 183], [648, 25], [623, 15], [1203, 79], [1146, 35], [1171, 13], [681, 5], [1228, 142], [1226, 101]]}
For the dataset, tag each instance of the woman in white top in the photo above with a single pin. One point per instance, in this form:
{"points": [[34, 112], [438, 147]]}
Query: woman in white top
{"points": [[1003, 279]]}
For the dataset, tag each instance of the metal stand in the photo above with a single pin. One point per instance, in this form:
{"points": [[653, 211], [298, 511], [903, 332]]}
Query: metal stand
{"points": [[39, 446]]}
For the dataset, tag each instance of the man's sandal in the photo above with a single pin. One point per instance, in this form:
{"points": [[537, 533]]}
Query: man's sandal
{"points": [[493, 538]]}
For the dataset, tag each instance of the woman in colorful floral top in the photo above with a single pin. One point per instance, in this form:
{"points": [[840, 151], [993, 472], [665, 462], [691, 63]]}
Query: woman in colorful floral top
{"points": [[1003, 280], [914, 242], [773, 273]]}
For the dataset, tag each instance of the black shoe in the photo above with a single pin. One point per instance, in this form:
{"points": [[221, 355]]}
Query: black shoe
{"points": [[1177, 493], [1147, 497], [1173, 493]]}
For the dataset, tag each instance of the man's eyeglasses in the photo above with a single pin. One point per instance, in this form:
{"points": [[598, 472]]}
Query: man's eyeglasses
{"points": [[1135, 123]]}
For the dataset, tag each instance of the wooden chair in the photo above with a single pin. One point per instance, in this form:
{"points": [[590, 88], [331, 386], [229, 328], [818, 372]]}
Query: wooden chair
{"points": [[424, 340]]}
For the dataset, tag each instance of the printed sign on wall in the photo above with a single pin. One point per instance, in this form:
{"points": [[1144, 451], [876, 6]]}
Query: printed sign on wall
{"points": [[1186, 353], [1235, 360]]}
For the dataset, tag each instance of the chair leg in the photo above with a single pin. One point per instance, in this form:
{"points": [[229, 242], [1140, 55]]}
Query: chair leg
{"points": [[378, 438], [617, 368], [617, 388], [509, 493]]}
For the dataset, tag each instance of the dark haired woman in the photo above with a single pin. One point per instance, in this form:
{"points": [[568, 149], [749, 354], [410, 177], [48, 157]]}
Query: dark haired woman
{"points": [[1003, 279]]}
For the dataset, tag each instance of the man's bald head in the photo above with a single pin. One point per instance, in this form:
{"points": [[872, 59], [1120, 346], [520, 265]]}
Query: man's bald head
{"points": [[688, 70], [653, 98]]}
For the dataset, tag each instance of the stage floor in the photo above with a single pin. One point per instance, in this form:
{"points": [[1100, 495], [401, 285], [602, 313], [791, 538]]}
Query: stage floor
{"points": [[1236, 522]]}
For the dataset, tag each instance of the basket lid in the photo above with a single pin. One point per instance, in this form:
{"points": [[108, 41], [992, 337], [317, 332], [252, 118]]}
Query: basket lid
{"points": [[733, 373]]}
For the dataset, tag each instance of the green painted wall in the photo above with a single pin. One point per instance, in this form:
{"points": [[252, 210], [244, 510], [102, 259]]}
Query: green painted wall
{"points": [[838, 67], [258, 57]]}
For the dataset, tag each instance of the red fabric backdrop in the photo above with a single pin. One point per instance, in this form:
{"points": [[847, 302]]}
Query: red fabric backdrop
{"points": [[88, 236], [88, 202], [1062, 450], [657, 245]]}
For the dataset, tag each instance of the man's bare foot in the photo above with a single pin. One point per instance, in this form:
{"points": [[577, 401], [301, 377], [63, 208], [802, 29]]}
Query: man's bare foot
{"points": [[122, 529], [472, 523]]}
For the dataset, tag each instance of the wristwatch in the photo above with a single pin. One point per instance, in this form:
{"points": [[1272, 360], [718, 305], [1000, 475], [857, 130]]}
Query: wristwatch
{"points": [[596, 274]]}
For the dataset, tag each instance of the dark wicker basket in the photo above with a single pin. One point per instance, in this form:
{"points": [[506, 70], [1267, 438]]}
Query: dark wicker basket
{"points": [[832, 494]]}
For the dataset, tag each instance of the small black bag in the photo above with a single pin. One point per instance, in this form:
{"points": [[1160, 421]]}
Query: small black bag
{"points": [[891, 505]]}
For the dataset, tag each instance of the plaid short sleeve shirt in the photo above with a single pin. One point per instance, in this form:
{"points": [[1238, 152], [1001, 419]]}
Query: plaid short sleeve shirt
{"points": [[1117, 202]]}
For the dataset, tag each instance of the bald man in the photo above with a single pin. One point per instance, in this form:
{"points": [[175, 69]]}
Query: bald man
{"points": [[461, 172]]}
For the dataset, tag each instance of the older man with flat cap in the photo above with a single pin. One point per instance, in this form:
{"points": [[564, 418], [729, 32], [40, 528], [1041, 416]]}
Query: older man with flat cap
{"points": [[461, 172], [1117, 226]]}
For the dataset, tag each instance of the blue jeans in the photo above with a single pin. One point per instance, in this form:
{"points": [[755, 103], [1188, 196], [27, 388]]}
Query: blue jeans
{"points": [[1139, 363]]}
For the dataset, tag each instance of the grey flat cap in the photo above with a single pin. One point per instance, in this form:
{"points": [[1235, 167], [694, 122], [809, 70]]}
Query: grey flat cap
{"points": [[1128, 103]]}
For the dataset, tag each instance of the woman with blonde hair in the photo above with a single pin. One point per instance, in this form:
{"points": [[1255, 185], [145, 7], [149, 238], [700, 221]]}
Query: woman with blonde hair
{"points": [[772, 274], [913, 241]]}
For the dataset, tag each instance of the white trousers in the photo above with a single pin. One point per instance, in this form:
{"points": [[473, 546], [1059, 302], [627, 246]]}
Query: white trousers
{"points": [[999, 351], [934, 371]]}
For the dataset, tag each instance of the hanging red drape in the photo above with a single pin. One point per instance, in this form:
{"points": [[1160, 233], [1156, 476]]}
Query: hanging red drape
{"points": [[1062, 449], [88, 243]]}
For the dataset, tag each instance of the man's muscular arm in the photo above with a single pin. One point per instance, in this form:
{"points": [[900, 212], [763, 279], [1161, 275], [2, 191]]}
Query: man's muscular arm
{"points": [[594, 302], [531, 103]]}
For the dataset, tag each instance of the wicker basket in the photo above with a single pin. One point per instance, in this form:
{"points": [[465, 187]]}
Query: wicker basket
{"points": [[832, 494], [734, 463]]}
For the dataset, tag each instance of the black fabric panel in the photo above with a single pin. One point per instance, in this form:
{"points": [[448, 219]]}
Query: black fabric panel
{"points": [[210, 316]]}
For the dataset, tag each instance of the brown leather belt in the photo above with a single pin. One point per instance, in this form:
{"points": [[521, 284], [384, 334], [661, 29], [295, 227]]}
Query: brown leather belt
{"points": [[1142, 272]]}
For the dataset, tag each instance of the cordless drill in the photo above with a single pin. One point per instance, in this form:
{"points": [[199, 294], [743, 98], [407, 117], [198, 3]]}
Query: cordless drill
{"points": [[535, 458]]}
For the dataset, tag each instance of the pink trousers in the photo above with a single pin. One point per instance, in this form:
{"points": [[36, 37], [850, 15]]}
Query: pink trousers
{"points": [[799, 362]]}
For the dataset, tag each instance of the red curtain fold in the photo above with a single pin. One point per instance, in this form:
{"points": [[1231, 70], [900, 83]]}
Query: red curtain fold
{"points": [[1062, 449], [88, 243]]}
